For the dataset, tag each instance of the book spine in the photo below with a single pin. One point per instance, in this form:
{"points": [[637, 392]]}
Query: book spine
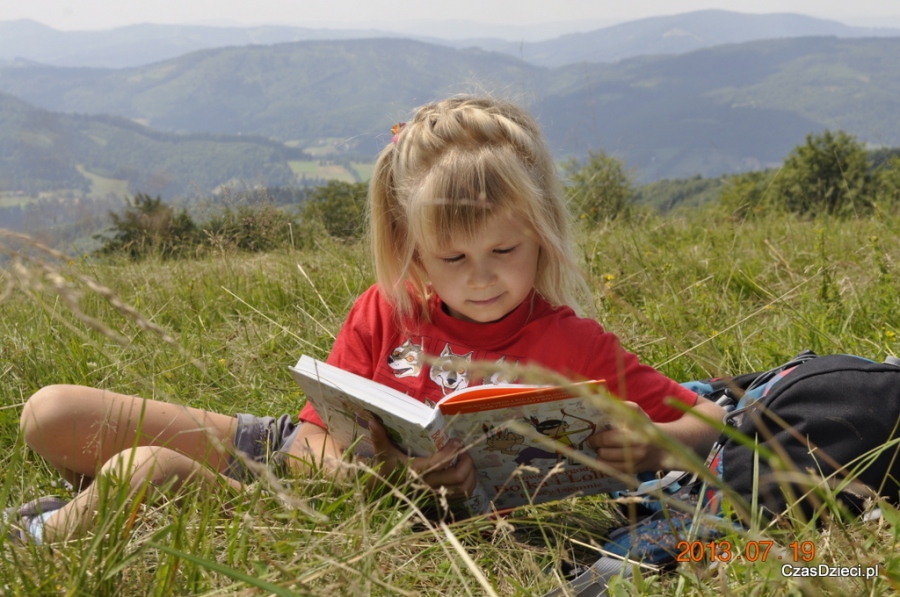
{"points": [[437, 431]]}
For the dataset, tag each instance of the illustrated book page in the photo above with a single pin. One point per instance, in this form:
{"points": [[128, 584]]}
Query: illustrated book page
{"points": [[527, 442]]}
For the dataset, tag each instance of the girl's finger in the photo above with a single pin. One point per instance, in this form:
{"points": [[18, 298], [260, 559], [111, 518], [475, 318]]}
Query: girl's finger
{"points": [[458, 480], [438, 461]]}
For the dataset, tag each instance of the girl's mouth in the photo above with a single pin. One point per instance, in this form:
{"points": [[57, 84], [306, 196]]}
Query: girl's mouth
{"points": [[486, 302]]}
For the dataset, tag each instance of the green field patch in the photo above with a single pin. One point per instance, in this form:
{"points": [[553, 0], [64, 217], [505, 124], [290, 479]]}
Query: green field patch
{"points": [[35, 139], [326, 146], [363, 170], [156, 74], [16, 198], [314, 169], [102, 186]]}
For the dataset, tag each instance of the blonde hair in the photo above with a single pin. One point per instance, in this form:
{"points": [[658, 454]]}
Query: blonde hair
{"points": [[454, 165]]}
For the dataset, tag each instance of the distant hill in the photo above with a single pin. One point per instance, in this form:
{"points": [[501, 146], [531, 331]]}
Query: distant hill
{"points": [[352, 90], [137, 45], [724, 109], [728, 108], [42, 151], [676, 34]]}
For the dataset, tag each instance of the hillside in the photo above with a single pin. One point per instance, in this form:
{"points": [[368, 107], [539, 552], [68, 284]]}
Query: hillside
{"points": [[293, 92], [41, 150], [675, 34], [724, 109], [729, 108]]}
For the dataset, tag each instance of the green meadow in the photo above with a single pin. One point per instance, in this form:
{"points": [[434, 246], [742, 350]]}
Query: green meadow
{"points": [[696, 294], [103, 187], [325, 171]]}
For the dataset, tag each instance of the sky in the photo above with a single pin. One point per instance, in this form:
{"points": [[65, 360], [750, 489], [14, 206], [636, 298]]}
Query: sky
{"points": [[569, 15]]}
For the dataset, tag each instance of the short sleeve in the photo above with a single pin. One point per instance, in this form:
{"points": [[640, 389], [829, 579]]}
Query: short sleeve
{"points": [[357, 343], [630, 380]]}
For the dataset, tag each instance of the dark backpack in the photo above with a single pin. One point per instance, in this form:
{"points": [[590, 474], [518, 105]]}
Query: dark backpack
{"points": [[827, 418], [822, 414]]}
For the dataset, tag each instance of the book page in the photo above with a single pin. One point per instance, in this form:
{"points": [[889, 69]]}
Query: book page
{"points": [[523, 452]]}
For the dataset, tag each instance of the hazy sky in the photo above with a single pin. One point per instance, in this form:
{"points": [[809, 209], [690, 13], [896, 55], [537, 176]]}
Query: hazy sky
{"points": [[104, 14]]}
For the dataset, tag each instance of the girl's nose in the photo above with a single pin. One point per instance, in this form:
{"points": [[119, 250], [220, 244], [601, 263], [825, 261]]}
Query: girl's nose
{"points": [[482, 276]]}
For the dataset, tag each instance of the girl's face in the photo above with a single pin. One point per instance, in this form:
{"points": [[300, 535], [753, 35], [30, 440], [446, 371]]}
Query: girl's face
{"points": [[484, 278]]}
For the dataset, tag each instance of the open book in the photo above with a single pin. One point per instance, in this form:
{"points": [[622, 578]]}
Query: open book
{"points": [[526, 441]]}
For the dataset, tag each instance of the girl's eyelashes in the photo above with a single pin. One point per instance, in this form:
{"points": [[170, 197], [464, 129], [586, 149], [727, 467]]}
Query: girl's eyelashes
{"points": [[461, 256]]}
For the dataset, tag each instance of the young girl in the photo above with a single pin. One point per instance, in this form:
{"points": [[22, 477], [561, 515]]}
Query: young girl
{"points": [[473, 262]]}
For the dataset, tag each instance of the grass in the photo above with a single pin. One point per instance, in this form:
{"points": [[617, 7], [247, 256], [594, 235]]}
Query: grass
{"points": [[696, 296]]}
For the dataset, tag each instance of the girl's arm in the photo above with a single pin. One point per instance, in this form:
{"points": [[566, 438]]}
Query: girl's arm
{"points": [[695, 432], [629, 452]]}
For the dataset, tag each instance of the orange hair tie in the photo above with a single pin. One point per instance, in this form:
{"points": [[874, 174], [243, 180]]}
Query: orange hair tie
{"points": [[395, 130]]}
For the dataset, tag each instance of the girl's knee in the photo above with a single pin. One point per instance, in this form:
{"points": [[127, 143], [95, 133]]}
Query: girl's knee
{"points": [[43, 413]]}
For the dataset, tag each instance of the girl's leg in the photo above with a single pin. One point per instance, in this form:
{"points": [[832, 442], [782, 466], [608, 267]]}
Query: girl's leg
{"points": [[78, 429], [143, 468]]}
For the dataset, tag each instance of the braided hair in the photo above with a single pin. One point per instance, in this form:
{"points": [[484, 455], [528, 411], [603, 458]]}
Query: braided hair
{"points": [[455, 165]]}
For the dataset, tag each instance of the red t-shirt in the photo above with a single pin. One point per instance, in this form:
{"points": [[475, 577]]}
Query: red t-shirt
{"points": [[374, 344]]}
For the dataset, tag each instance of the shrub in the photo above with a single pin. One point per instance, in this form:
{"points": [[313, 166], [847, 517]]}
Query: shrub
{"points": [[341, 208], [250, 228], [598, 189], [887, 179], [149, 226], [829, 174], [746, 194]]}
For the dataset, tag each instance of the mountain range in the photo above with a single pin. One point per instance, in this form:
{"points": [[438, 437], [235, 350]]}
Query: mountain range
{"points": [[676, 34], [137, 45], [719, 109]]}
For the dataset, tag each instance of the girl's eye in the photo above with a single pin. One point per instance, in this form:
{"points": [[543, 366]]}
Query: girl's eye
{"points": [[454, 259], [505, 251]]}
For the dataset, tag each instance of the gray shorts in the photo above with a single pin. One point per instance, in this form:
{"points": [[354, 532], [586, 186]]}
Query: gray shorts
{"points": [[265, 440]]}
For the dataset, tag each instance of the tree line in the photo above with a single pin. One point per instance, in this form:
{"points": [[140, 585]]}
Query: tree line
{"points": [[830, 174]]}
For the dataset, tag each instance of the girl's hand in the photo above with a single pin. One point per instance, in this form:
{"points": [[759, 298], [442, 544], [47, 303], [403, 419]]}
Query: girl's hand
{"points": [[451, 468], [625, 450]]}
